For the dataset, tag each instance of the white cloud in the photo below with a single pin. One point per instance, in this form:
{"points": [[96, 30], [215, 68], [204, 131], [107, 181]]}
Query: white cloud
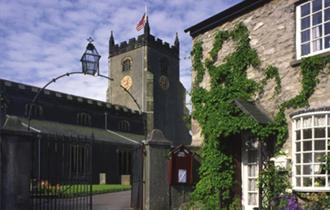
{"points": [[42, 39]]}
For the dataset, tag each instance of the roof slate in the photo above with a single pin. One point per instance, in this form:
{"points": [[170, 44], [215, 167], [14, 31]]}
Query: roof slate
{"points": [[253, 110], [50, 127], [224, 16]]}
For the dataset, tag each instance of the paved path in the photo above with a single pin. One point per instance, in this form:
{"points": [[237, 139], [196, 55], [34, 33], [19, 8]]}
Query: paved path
{"points": [[112, 201]]}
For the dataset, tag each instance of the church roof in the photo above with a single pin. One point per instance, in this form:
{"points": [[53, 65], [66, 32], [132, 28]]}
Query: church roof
{"points": [[229, 14], [29, 89], [15, 123]]}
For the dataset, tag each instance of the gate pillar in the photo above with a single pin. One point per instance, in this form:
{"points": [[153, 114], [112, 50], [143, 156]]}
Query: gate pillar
{"points": [[156, 186], [16, 163]]}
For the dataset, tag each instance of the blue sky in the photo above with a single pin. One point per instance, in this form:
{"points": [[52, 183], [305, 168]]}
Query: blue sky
{"points": [[41, 39]]}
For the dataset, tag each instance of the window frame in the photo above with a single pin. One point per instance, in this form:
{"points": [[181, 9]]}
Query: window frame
{"points": [[326, 126], [298, 30]]}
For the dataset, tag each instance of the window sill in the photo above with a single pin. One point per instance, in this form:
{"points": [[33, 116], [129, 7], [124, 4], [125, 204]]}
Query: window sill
{"points": [[296, 63], [311, 189]]}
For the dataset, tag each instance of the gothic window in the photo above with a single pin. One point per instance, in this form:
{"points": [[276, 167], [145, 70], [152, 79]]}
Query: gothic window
{"points": [[163, 66], [126, 64], [84, 119], [36, 110], [124, 125], [312, 28], [311, 143]]}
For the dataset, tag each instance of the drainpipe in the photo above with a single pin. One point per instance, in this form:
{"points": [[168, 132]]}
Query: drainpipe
{"points": [[105, 120]]}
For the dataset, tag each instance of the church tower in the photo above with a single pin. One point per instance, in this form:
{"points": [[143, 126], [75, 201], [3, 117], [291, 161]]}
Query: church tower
{"points": [[148, 68]]}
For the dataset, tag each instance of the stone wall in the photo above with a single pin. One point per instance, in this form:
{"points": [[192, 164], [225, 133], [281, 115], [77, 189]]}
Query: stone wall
{"points": [[272, 34]]}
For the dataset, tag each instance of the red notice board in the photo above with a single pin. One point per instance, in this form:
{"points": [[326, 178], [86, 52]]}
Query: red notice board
{"points": [[180, 166]]}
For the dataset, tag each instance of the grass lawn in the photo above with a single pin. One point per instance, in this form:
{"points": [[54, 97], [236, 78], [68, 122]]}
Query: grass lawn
{"points": [[79, 189], [105, 188]]}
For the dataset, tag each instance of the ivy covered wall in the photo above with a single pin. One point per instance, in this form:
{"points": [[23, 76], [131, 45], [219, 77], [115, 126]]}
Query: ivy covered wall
{"points": [[256, 66]]}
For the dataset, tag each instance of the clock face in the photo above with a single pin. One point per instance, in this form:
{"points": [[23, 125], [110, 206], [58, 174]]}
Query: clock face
{"points": [[126, 82], [163, 82]]}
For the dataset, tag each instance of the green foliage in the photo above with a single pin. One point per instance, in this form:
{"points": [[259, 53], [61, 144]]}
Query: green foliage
{"points": [[219, 118], [228, 82], [316, 200], [272, 73], [326, 159], [274, 182]]}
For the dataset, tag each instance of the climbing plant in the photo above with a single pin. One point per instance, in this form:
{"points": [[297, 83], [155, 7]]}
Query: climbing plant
{"points": [[219, 118]]}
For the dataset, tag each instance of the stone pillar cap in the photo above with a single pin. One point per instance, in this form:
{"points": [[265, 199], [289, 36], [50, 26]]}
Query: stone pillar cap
{"points": [[157, 137]]}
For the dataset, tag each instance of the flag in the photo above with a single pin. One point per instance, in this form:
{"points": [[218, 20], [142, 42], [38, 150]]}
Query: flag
{"points": [[141, 23]]}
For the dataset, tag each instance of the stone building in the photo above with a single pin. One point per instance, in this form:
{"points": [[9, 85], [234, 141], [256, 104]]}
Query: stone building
{"points": [[283, 33], [115, 129], [149, 69]]}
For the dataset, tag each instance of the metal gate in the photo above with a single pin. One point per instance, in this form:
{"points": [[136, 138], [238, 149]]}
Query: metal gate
{"points": [[61, 173]]}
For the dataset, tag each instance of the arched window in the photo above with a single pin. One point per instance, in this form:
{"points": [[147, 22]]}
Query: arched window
{"points": [[84, 119], [124, 125], [126, 64]]}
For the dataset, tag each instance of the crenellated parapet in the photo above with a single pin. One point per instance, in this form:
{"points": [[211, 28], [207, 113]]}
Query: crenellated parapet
{"points": [[142, 40]]}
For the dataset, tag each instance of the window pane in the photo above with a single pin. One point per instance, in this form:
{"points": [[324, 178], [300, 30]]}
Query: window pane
{"points": [[298, 170], [307, 122], [319, 145], [307, 157], [307, 182], [305, 9], [317, 45], [298, 182], [318, 169], [305, 23], [327, 42], [326, 14], [298, 135], [327, 28], [298, 147], [252, 185], [307, 133], [305, 49], [305, 36], [252, 156], [317, 32], [317, 18], [319, 182], [307, 145], [319, 120], [327, 3], [319, 132], [298, 158], [252, 170], [307, 169], [319, 157], [317, 5], [298, 123], [252, 199]]}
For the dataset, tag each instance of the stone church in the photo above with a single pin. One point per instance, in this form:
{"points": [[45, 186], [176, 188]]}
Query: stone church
{"points": [[72, 140]]}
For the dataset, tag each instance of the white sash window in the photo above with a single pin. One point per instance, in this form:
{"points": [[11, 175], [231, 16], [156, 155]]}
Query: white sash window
{"points": [[311, 139], [313, 28]]}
